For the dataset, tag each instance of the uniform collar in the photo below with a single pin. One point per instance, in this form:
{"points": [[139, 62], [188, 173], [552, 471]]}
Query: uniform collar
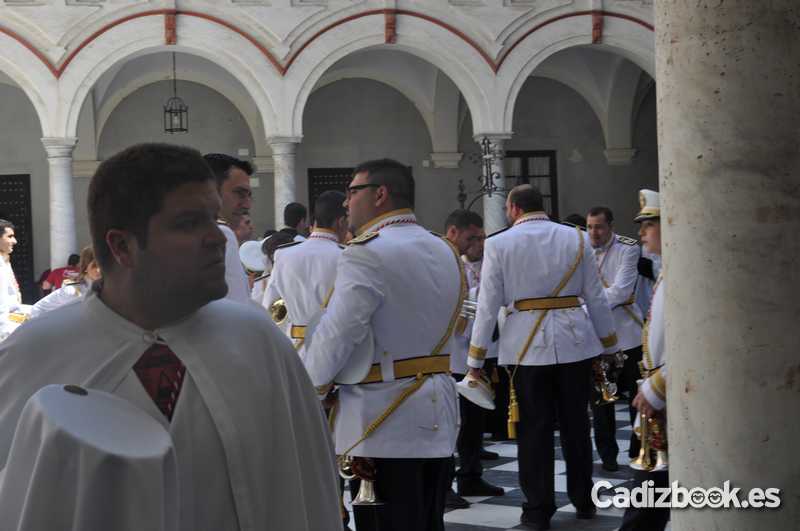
{"points": [[606, 246], [532, 216], [323, 234], [403, 216]]}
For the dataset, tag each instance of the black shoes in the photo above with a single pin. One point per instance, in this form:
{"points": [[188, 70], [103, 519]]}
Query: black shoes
{"points": [[478, 487], [586, 513], [486, 455], [454, 501], [610, 465], [535, 523]]}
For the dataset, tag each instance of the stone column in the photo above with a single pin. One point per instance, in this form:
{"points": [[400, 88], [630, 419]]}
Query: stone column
{"points": [[284, 150], [728, 115], [494, 207], [63, 238]]}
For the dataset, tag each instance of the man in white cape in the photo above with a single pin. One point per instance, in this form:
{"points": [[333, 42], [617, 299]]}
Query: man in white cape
{"points": [[251, 442]]}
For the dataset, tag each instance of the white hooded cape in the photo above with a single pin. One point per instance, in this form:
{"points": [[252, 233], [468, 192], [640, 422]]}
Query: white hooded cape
{"points": [[243, 377]]}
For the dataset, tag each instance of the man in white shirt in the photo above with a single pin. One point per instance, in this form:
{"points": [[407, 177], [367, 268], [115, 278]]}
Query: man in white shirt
{"points": [[251, 443], [403, 286], [233, 184], [541, 271], [10, 296], [304, 271], [651, 400], [617, 258]]}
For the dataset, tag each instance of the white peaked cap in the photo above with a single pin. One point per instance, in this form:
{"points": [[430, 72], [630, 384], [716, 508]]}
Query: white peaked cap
{"points": [[649, 204], [85, 460], [251, 256]]}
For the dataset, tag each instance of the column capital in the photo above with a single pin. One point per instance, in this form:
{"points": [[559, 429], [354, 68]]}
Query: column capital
{"points": [[59, 147], [495, 138], [620, 156], [449, 160], [281, 139]]}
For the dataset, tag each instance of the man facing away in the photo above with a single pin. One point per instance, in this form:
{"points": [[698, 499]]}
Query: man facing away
{"points": [[617, 258], [251, 444], [540, 271], [233, 184], [295, 217], [304, 271], [403, 285]]}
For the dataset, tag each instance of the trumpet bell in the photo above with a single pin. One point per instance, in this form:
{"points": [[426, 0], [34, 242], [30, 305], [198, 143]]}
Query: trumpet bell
{"points": [[366, 494], [477, 390], [278, 311]]}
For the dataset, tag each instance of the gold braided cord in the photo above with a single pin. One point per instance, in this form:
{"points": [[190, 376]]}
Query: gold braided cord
{"points": [[410, 390], [413, 388], [626, 304], [646, 329]]}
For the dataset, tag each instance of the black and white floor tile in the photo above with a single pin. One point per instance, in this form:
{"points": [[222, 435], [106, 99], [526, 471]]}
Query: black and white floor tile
{"points": [[502, 513]]}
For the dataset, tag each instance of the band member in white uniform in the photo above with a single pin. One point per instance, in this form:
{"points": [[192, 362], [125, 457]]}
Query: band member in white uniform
{"points": [[295, 217], [71, 290], [652, 396], [464, 229], [404, 285], [233, 184], [304, 271], [541, 270], [251, 444], [10, 296], [617, 258]]}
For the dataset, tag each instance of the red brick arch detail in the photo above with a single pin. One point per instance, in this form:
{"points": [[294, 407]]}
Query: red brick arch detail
{"points": [[58, 71]]}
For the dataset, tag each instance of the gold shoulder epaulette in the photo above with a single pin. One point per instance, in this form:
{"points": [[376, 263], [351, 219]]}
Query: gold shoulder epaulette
{"points": [[290, 244], [498, 232], [221, 221], [364, 238], [626, 240]]}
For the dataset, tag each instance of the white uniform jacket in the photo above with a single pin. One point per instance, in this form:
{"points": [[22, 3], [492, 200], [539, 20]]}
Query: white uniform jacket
{"points": [[458, 359], [235, 276], [69, 292], [617, 261], [303, 277], [406, 284], [529, 261], [654, 355], [251, 442]]}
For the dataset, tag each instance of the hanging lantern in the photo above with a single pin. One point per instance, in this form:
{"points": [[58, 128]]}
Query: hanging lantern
{"points": [[176, 112]]}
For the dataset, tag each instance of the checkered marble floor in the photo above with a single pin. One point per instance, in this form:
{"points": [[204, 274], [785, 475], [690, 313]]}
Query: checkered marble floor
{"points": [[503, 512]]}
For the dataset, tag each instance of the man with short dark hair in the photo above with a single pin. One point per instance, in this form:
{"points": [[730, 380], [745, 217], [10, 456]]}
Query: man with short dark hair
{"points": [[304, 271], [616, 257], [224, 382], [233, 184], [541, 272], [400, 285], [295, 217], [464, 229], [57, 276]]}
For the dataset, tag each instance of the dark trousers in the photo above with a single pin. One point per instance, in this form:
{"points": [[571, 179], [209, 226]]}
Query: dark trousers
{"points": [[470, 437], [647, 519], [413, 491], [604, 420], [542, 391], [498, 419], [627, 385]]}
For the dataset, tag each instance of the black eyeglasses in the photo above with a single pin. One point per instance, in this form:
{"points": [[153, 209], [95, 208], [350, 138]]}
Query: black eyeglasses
{"points": [[352, 189]]}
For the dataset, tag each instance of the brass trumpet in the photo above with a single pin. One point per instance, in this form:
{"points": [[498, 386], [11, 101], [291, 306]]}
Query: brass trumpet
{"points": [[602, 384], [654, 441], [278, 311], [366, 491]]}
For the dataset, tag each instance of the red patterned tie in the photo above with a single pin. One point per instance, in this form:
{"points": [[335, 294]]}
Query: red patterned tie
{"points": [[161, 374]]}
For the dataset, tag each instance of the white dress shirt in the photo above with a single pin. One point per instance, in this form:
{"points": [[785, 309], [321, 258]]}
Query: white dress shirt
{"points": [[235, 275], [654, 358]]}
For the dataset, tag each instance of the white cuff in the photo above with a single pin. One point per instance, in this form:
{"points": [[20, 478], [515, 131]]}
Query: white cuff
{"points": [[651, 396]]}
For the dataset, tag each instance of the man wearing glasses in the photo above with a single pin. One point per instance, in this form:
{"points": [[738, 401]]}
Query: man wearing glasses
{"points": [[403, 285]]}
